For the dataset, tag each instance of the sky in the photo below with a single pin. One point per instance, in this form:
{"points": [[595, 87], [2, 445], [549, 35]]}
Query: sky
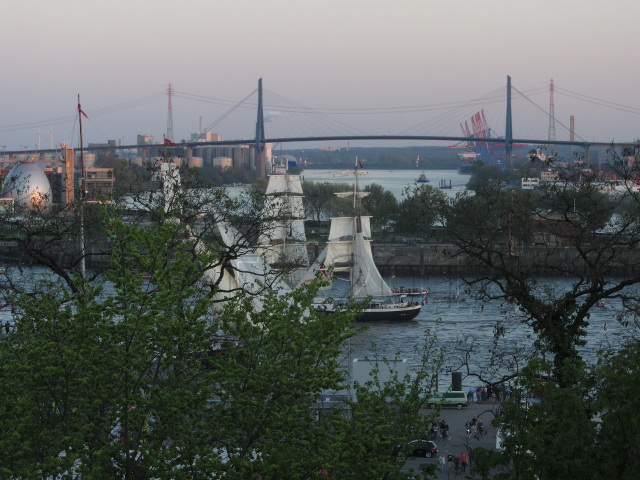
{"points": [[361, 63]]}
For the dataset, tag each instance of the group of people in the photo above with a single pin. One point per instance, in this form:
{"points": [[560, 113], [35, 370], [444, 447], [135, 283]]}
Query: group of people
{"points": [[456, 462], [441, 427], [474, 426], [481, 394]]}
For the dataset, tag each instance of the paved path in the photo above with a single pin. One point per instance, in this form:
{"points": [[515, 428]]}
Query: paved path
{"points": [[459, 442]]}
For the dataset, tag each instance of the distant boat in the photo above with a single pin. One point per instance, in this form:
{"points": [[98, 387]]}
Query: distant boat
{"points": [[422, 178], [411, 292]]}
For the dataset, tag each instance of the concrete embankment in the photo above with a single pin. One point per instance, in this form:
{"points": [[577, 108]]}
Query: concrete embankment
{"points": [[424, 260]]}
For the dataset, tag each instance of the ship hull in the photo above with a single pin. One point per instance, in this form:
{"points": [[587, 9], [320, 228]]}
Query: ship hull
{"points": [[393, 312], [389, 314]]}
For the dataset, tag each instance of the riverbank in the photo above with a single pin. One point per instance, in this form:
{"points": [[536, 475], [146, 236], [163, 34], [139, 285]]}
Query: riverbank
{"points": [[442, 259]]}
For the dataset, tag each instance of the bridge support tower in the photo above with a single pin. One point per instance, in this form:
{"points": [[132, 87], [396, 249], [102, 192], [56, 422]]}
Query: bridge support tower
{"points": [[508, 131], [260, 153]]}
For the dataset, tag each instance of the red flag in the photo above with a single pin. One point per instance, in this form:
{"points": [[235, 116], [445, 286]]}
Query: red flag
{"points": [[169, 143], [81, 111]]}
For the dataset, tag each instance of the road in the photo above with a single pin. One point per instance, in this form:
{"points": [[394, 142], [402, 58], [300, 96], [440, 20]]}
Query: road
{"points": [[459, 441]]}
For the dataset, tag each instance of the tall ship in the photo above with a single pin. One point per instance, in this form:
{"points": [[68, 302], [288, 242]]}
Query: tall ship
{"points": [[283, 241], [349, 253]]}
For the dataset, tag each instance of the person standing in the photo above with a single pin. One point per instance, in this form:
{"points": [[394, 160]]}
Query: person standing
{"points": [[450, 460], [434, 431], [7, 326], [441, 462], [463, 461]]}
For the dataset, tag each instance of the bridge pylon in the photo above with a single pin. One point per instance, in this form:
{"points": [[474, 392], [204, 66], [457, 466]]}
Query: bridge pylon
{"points": [[508, 131], [260, 155]]}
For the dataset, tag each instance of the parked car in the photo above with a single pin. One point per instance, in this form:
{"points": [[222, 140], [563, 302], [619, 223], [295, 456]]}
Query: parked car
{"points": [[423, 448], [453, 398], [418, 448]]}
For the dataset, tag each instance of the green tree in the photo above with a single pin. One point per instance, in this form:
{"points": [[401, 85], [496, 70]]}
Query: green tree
{"points": [[389, 413], [617, 420], [91, 373], [488, 174], [382, 205], [483, 226], [545, 429], [320, 200], [418, 210], [124, 375], [596, 253]]}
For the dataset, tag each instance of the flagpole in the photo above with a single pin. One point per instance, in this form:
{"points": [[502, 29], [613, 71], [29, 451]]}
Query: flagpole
{"points": [[82, 194]]}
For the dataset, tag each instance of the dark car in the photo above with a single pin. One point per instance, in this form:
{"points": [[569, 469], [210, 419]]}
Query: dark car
{"points": [[418, 448]]}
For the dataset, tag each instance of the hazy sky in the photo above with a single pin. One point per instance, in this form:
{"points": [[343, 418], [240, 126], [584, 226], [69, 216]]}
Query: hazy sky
{"points": [[326, 55]]}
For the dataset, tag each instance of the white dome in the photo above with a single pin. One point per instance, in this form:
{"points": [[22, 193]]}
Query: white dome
{"points": [[27, 185]]}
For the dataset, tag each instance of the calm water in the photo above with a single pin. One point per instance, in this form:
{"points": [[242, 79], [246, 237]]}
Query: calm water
{"points": [[458, 324]]}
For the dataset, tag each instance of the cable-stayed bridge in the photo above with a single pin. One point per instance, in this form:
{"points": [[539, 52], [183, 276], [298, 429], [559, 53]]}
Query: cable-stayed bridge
{"points": [[508, 118]]}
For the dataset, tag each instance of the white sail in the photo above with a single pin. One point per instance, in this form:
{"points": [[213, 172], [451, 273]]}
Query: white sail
{"points": [[275, 233], [318, 269], [351, 194], [365, 225], [248, 272], [365, 277], [342, 228], [349, 249], [284, 206], [296, 253], [340, 256], [283, 240], [284, 183]]}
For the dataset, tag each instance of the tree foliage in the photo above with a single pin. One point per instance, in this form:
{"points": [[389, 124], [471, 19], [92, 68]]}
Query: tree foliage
{"points": [[418, 210], [566, 417], [382, 205], [130, 373], [320, 200], [581, 239]]}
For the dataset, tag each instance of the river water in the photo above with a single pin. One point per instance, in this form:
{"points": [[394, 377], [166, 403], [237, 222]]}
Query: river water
{"points": [[394, 181], [467, 323], [457, 324]]}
